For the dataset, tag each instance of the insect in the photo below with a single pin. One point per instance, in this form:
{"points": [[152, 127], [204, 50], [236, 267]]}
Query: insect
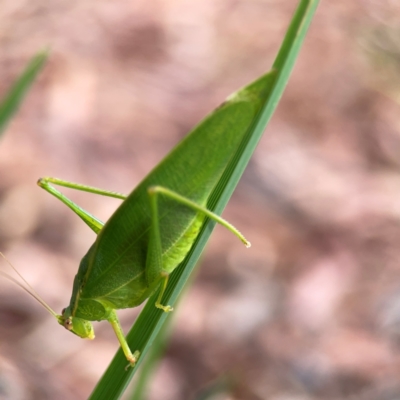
{"points": [[153, 229]]}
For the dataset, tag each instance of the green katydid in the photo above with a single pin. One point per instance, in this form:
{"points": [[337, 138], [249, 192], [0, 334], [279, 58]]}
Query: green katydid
{"points": [[155, 226]]}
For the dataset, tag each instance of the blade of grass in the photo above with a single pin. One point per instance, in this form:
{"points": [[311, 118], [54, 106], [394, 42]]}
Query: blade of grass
{"points": [[9, 106], [151, 362], [141, 336], [156, 351]]}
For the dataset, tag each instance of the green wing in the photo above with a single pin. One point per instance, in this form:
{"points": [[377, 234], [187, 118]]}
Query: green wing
{"points": [[114, 271]]}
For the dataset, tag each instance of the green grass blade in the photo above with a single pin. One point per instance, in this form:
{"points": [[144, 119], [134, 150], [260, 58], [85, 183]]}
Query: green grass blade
{"points": [[9, 106], [151, 363], [114, 381]]}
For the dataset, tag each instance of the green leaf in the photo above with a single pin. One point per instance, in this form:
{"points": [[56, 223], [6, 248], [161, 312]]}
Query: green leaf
{"points": [[19, 89], [270, 87]]}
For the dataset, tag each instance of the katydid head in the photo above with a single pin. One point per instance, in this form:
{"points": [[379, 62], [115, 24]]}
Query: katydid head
{"points": [[78, 326]]}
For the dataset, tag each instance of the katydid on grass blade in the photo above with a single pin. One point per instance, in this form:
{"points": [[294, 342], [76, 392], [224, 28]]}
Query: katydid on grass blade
{"points": [[155, 226]]}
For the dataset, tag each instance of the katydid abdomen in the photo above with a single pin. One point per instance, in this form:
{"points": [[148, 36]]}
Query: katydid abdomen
{"points": [[136, 290]]}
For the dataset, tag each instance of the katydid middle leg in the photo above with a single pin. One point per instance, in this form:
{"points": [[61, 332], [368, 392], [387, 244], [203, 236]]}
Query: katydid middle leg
{"points": [[94, 223]]}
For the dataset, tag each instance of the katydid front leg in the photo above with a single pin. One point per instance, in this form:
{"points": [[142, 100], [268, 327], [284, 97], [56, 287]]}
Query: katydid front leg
{"points": [[131, 357], [154, 267]]}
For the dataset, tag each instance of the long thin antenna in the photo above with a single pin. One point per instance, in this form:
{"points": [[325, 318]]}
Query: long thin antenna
{"points": [[29, 289]]}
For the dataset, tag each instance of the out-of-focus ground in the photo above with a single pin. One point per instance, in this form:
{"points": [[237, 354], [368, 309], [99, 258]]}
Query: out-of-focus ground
{"points": [[312, 311]]}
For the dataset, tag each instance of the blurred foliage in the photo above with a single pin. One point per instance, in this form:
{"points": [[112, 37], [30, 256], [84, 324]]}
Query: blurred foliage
{"points": [[13, 99]]}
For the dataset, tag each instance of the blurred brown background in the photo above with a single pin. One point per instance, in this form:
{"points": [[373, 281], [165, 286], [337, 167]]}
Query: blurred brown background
{"points": [[312, 311]]}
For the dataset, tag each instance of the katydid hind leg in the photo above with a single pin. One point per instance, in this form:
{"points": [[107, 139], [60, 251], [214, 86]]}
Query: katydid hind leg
{"points": [[154, 191], [164, 284], [154, 267]]}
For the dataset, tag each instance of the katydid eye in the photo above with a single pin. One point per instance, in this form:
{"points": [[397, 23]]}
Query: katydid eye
{"points": [[68, 324]]}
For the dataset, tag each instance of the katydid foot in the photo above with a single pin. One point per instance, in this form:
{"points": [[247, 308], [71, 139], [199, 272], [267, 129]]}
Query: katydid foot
{"points": [[132, 360], [164, 308]]}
